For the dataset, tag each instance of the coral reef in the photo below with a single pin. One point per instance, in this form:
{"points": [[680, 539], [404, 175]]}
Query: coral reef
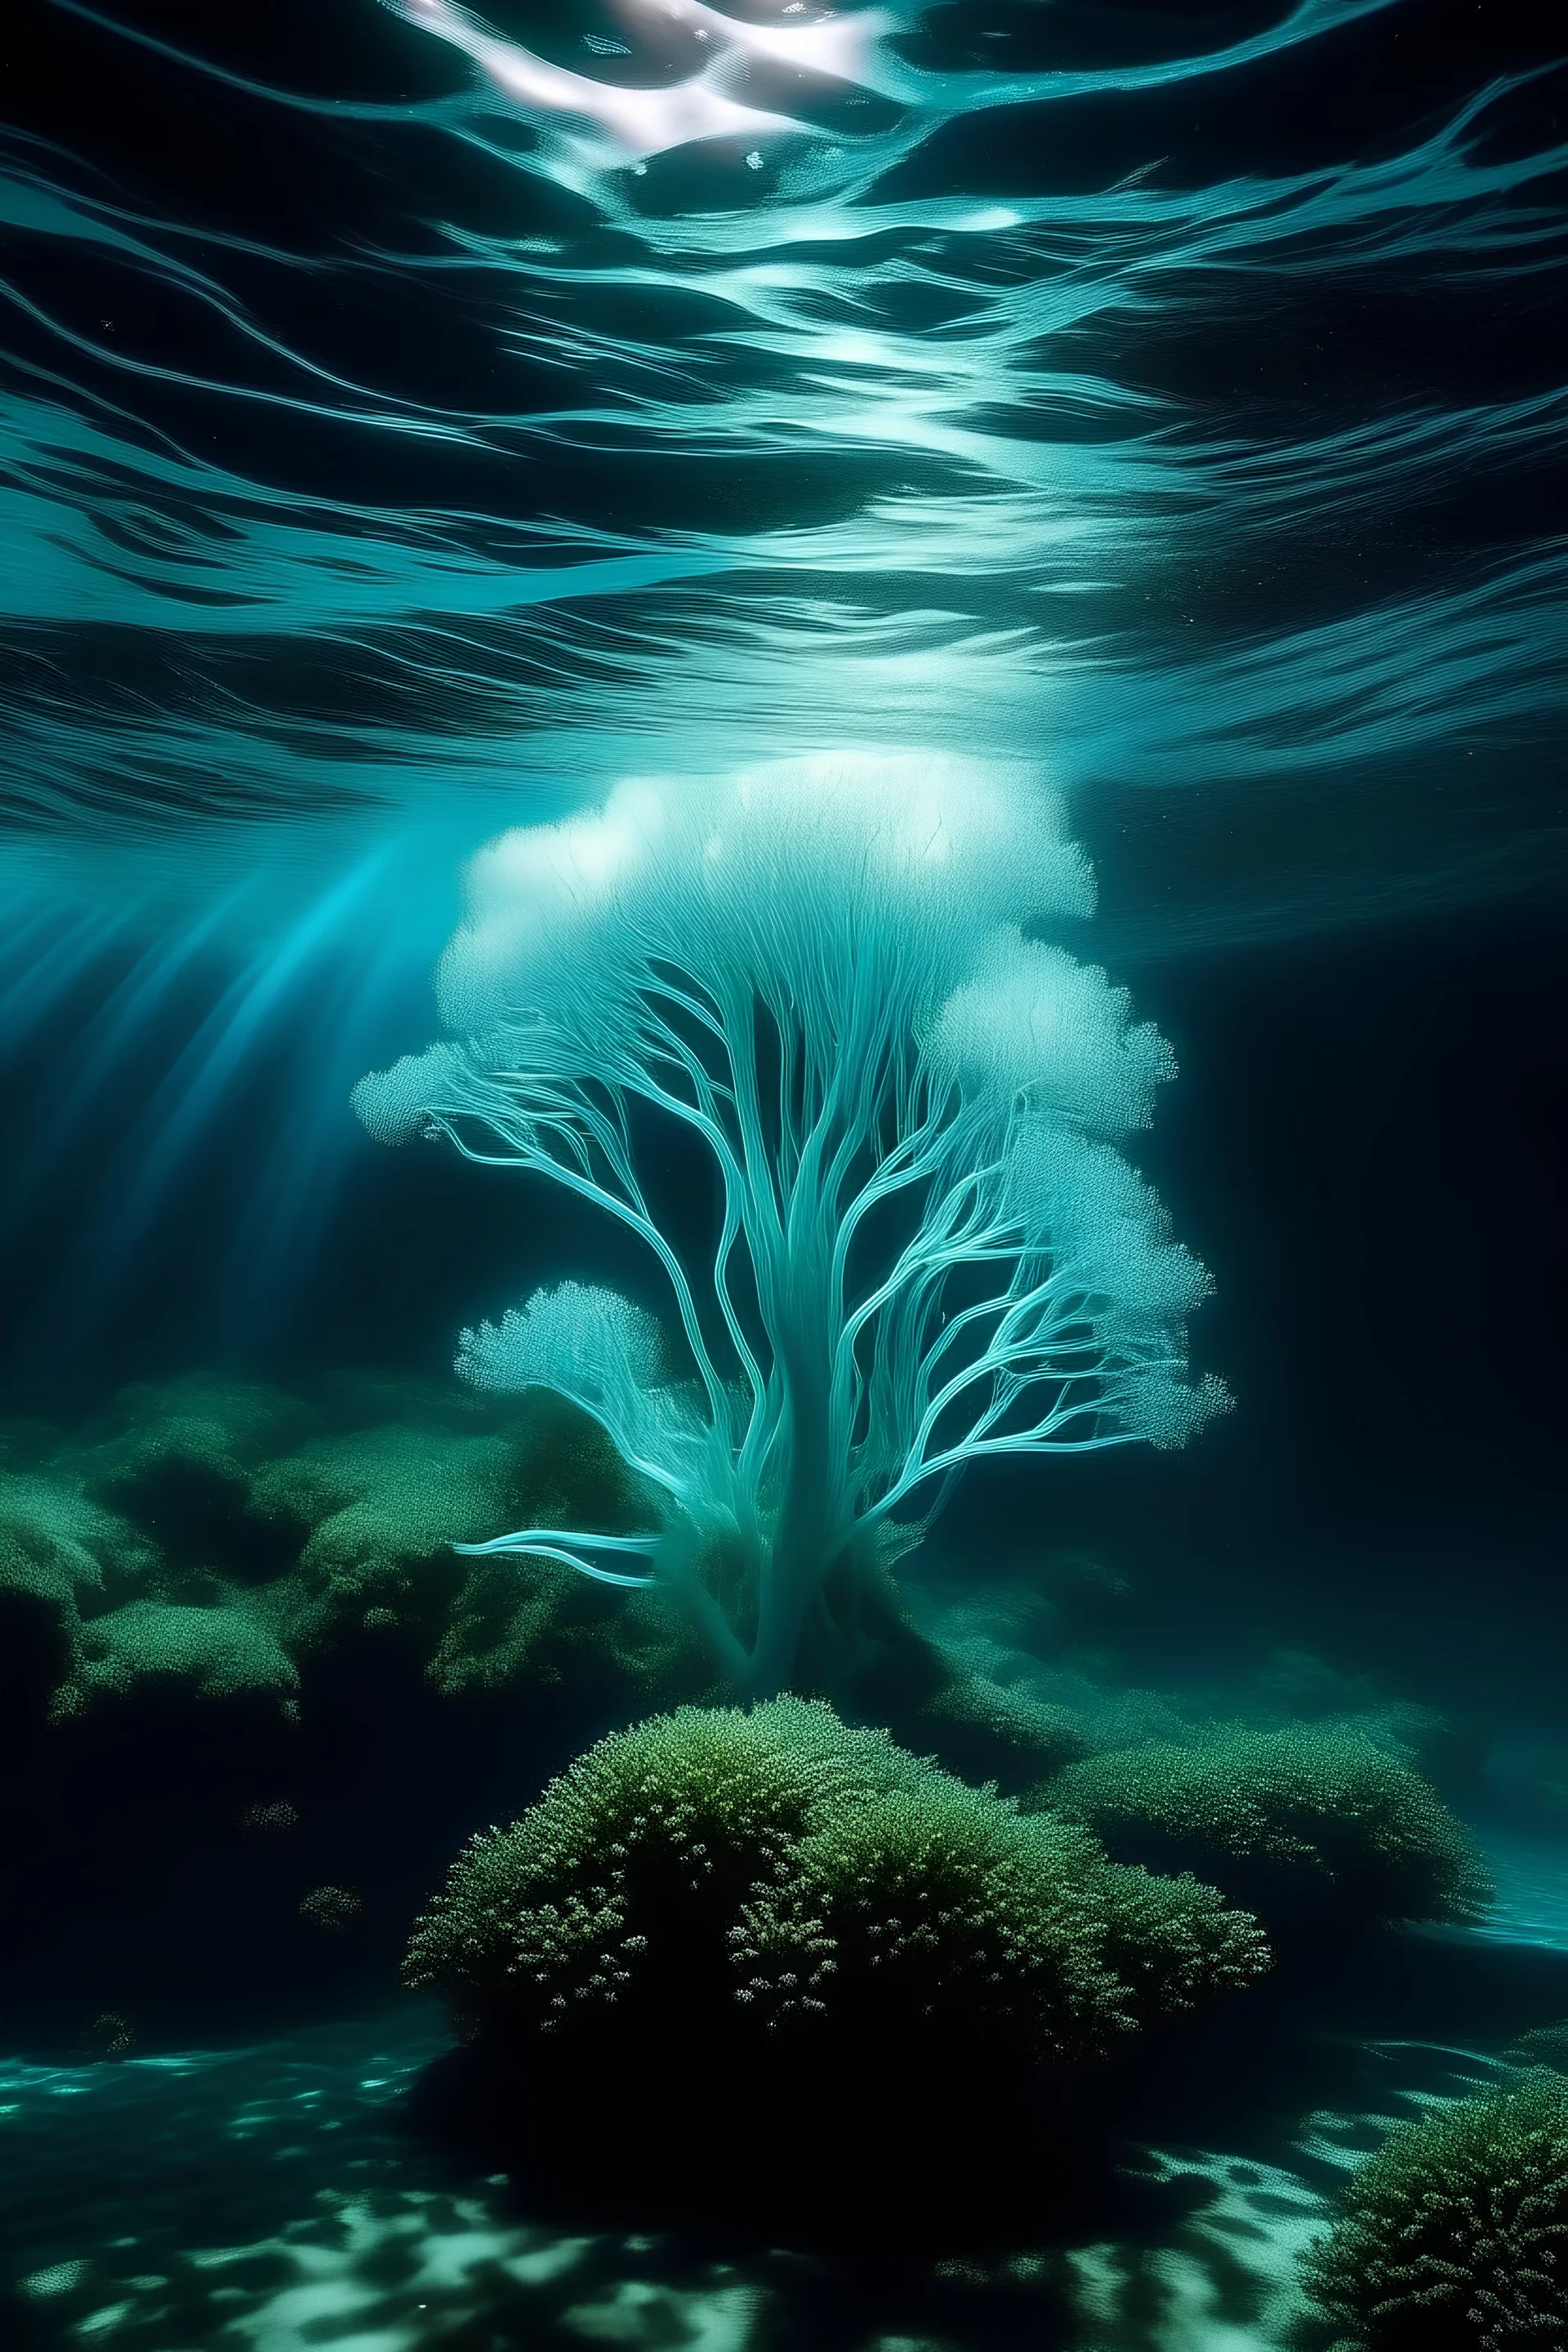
{"points": [[1454, 2237], [778, 1872], [1314, 1808]]}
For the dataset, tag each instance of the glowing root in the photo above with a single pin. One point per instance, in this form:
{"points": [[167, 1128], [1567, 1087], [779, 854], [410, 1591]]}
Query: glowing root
{"points": [[546, 1543]]}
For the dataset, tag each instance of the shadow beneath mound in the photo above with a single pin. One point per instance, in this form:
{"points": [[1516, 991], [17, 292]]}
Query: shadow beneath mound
{"points": [[934, 2158], [1308, 2034], [874, 2160]]}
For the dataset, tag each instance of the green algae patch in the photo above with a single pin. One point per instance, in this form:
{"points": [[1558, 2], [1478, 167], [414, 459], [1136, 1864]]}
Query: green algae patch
{"points": [[777, 1875], [220, 1651], [1454, 2237], [1312, 1807]]}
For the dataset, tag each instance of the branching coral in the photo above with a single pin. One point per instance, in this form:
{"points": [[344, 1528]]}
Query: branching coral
{"points": [[1454, 2237], [927, 1250], [1320, 1801], [775, 1871]]}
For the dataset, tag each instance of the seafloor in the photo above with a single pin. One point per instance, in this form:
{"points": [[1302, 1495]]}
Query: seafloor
{"points": [[277, 2195]]}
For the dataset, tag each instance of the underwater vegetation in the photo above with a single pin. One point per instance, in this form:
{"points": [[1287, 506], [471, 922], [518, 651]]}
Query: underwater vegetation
{"points": [[1318, 1815], [773, 1907], [776, 1903], [926, 1251], [1454, 2237], [782, 1873], [238, 1579], [233, 1537], [779, 1905], [986, 1730], [240, 1664], [221, 1531]]}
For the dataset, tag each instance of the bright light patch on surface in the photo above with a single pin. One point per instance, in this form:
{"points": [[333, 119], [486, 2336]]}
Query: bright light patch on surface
{"points": [[634, 124]]}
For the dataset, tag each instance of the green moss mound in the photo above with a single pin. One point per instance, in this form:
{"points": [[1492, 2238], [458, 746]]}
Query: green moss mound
{"points": [[521, 1620], [221, 1650], [62, 1557], [57, 1543], [372, 1515], [201, 1428], [986, 1730], [178, 1457], [1319, 1809], [307, 1523], [377, 1506], [1454, 2237], [777, 1876], [329, 1517]]}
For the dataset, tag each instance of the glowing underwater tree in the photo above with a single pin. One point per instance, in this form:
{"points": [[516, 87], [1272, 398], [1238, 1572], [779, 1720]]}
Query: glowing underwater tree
{"points": [[924, 1250]]}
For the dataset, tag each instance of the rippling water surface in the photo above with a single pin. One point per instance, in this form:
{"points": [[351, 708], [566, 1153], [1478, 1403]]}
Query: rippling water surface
{"points": [[414, 419]]}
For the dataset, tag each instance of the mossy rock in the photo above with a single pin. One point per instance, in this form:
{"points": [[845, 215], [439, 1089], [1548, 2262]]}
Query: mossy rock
{"points": [[997, 1732], [373, 1509], [183, 1498], [58, 1543], [1454, 2237], [370, 1501], [220, 1651], [753, 1876], [62, 1557], [180, 1461], [1311, 1820], [373, 1515], [520, 1619]]}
